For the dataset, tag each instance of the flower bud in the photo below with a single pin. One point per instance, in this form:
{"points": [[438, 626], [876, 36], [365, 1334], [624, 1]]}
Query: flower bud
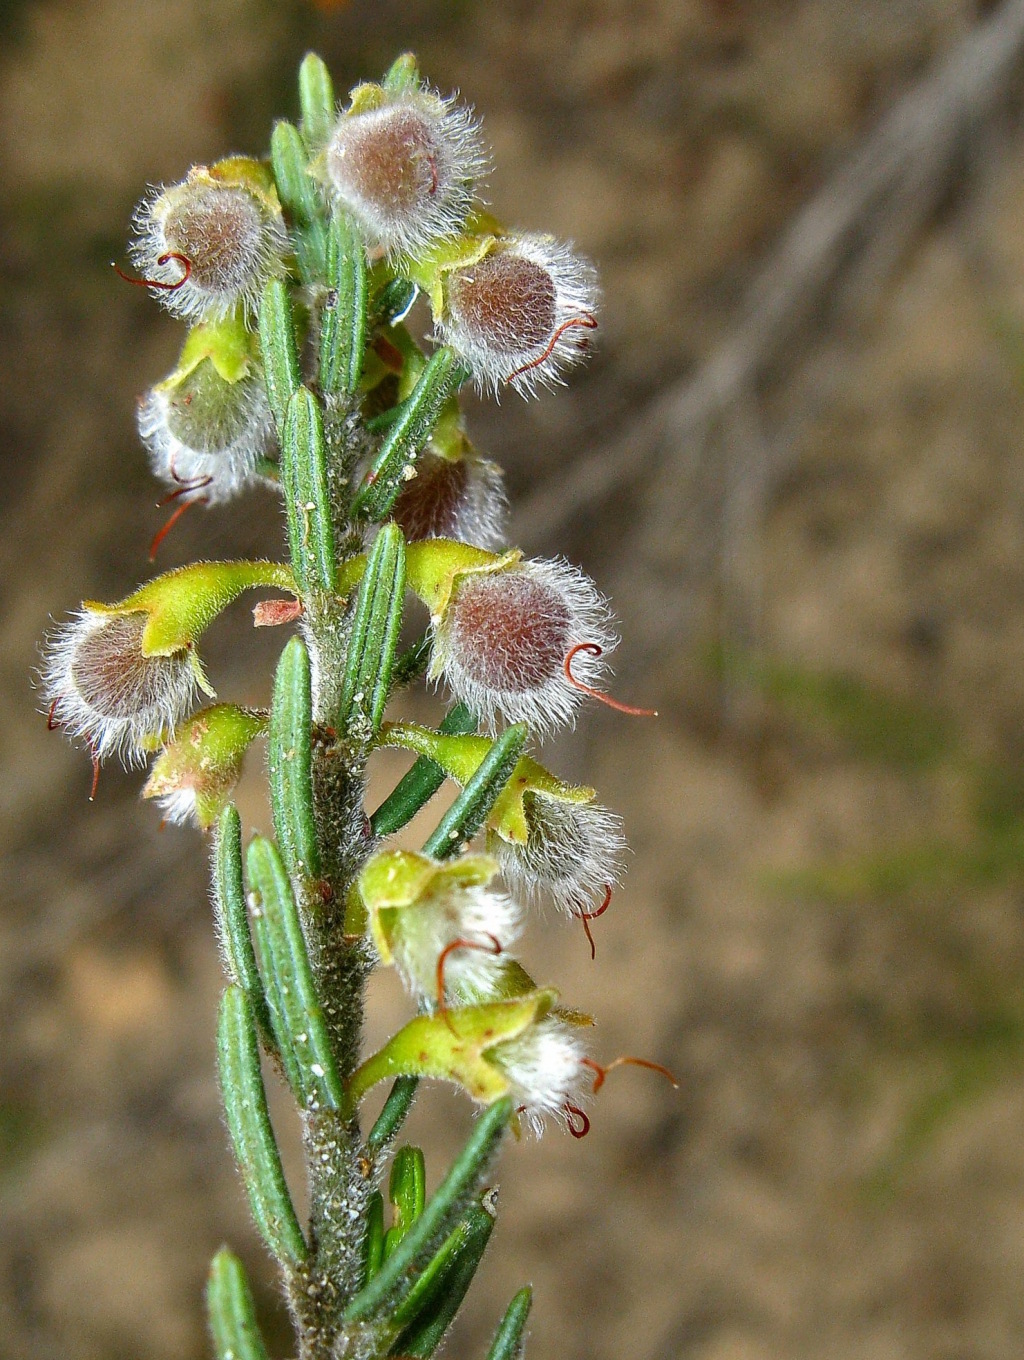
{"points": [[505, 633], [210, 243], [572, 852], [544, 1066], [207, 425], [102, 687], [439, 921], [193, 777], [403, 164], [459, 498], [521, 313]]}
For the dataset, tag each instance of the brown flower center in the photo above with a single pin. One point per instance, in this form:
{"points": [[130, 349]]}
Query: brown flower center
{"points": [[506, 301], [508, 630]]}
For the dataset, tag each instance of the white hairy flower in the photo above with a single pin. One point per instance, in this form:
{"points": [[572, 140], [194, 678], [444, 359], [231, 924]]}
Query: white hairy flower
{"points": [[461, 498], [573, 853], [545, 1067]]}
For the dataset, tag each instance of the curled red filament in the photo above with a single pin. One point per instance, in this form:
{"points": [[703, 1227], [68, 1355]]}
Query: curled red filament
{"points": [[183, 488], [602, 1072], [619, 707], [576, 1120], [587, 916], [176, 514], [51, 721], [94, 754], [494, 947], [586, 320], [183, 260]]}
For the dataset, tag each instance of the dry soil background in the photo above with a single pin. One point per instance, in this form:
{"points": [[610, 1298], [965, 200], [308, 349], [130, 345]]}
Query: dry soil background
{"points": [[795, 1198]]}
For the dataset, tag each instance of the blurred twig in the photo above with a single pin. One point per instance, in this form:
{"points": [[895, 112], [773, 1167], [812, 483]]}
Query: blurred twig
{"points": [[841, 246]]}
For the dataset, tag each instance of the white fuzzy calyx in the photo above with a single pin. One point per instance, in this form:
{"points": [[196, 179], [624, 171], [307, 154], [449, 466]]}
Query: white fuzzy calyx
{"points": [[523, 314], [504, 637], [208, 456], [487, 921], [545, 1066], [573, 854], [230, 239], [406, 169], [103, 690]]}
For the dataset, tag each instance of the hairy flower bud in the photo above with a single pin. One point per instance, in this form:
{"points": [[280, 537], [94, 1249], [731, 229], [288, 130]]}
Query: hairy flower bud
{"points": [[193, 777], [210, 243], [545, 1067], [103, 688], [439, 922], [403, 164], [572, 853], [504, 636], [521, 313], [459, 498]]}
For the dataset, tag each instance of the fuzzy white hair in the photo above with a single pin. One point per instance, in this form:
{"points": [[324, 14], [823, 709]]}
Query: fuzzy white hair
{"points": [[412, 211], [545, 1066], [104, 691], [566, 610], [492, 351], [573, 854], [453, 912]]}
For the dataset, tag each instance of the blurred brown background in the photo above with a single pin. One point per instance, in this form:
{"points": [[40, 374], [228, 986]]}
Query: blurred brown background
{"points": [[816, 546]]}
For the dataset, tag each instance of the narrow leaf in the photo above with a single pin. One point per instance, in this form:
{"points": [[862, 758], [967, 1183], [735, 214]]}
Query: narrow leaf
{"points": [[300, 199], [290, 762], [307, 499], [245, 1105], [429, 1308], [394, 301], [403, 74], [412, 663], [421, 782], [375, 628], [343, 319], [508, 1339], [373, 1243], [229, 1302], [232, 920], [448, 1201], [316, 99], [275, 1004], [441, 377], [392, 1116], [289, 963], [468, 813], [408, 1193], [277, 348]]}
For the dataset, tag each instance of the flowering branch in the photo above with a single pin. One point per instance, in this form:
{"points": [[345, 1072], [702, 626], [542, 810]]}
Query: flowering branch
{"points": [[295, 275]]}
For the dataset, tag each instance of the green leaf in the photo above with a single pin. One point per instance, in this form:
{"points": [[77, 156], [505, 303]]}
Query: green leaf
{"points": [[403, 74], [373, 1242], [429, 1308], [468, 813], [343, 319], [408, 1193], [278, 349], [316, 99], [245, 1105], [378, 619], [392, 1116], [302, 1014], [462, 1181], [290, 762], [393, 301], [415, 789], [232, 919], [441, 377], [307, 499], [229, 1302], [275, 1004], [412, 663], [508, 1339], [300, 199]]}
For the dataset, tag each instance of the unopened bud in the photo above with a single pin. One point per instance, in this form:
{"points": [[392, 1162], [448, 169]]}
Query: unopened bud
{"points": [[403, 164], [503, 637], [458, 498], [521, 313], [193, 777], [210, 243]]}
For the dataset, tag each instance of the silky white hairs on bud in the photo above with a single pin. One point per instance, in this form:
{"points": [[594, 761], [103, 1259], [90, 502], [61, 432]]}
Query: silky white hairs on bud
{"points": [[522, 314], [462, 499], [406, 170], [573, 854], [504, 638], [545, 1066], [106, 692]]}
